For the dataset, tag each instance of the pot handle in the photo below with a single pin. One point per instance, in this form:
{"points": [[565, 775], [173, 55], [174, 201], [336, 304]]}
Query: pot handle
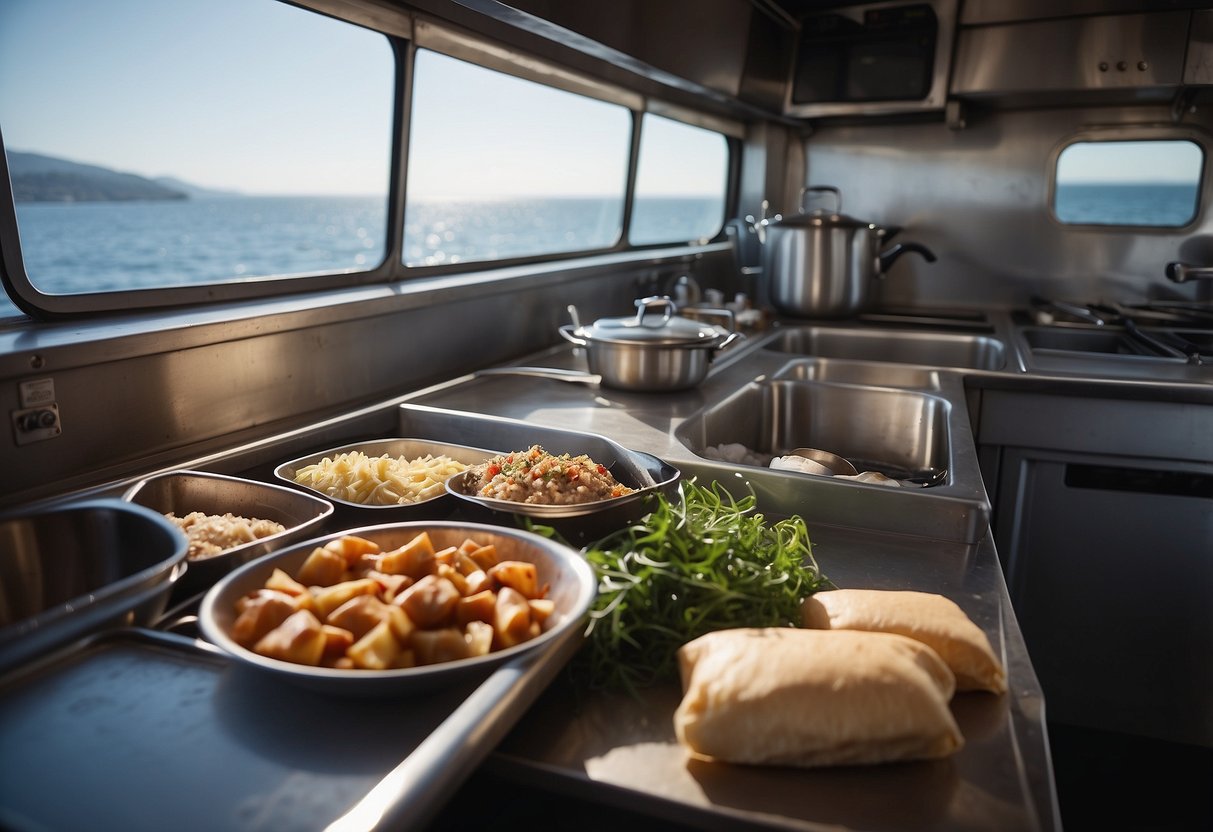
{"points": [[828, 189], [644, 305], [566, 332], [732, 336]]}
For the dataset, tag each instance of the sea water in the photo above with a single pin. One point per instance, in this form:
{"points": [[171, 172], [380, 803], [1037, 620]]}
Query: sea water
{"points": [[71, 248], [106, 246]]}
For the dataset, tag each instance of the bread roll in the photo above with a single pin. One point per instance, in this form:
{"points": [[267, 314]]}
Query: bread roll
{"points": [[787, 696], [932, 619]]}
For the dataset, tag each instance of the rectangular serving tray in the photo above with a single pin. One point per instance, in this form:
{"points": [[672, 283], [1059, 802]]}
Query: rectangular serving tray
{"points": [[152, 730]]}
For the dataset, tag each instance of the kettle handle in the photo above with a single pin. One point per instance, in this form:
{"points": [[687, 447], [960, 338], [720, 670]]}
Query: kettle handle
{"points": [[828, 189]]}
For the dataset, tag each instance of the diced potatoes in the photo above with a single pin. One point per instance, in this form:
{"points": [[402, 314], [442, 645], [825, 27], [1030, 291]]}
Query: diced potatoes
{"points": [[353, 606]]}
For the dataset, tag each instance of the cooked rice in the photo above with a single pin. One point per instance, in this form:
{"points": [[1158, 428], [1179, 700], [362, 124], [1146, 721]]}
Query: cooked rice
{"points": [[213, 534]]}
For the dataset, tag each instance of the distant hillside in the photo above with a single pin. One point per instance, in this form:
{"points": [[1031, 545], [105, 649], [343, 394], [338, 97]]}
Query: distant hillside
{"points": [[38, 178], [193, 191]]}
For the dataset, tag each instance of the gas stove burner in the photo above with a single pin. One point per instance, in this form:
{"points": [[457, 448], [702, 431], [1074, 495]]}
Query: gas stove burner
{"points": [[1195, 348], [1163, 313], [1175, 331], [1046, 312]]}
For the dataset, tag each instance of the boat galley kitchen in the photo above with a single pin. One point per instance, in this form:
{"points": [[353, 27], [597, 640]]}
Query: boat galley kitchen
{"points": [[431, 413]]}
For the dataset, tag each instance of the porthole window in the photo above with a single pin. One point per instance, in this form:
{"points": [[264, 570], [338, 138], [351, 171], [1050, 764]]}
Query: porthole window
{"points": [[1128, 183]]}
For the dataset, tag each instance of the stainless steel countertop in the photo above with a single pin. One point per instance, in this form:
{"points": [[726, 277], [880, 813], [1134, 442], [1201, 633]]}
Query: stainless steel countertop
{"points": [[613, 748], [601, 748]]}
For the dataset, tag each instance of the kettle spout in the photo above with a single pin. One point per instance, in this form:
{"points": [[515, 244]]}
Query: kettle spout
{"points": [[888, 257]]}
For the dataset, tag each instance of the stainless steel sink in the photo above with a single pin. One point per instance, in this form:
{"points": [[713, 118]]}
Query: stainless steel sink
{"points": [[900, 433], [857, 372], [932, 349]]}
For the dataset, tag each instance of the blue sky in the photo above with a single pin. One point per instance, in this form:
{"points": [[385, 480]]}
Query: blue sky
{"points": [[72, 85], [1129, 162], [262, 97]]}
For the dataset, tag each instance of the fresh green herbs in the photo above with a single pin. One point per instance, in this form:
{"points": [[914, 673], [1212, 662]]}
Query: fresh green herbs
{"points": [[705, 562]]}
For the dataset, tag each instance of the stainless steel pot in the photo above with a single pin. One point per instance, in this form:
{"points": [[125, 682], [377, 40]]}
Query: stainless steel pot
{"points": [[655, 350], [822, 264]]}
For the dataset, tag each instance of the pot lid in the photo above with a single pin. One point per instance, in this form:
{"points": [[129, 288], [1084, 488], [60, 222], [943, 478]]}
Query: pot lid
{"points": [[822, 219], [654, 323]]}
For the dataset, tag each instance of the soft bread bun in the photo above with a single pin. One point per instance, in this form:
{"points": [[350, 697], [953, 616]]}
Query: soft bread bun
{"points": [[932, 619], [787, 696]]}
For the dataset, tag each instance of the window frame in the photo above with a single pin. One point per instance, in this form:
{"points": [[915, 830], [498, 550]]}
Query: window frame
{"points": [[405, 33], [41, 305], [1115, 134]]}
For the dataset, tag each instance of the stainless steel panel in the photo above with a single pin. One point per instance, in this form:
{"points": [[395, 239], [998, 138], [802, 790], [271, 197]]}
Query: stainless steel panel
{"points": [[1068, 525], [1098, 424], [1198, 66], [1072, 54], [980, 12], [980, 199]]}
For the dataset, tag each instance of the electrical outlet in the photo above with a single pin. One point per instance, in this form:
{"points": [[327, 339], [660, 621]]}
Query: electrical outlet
{"points": [[36, 423]]}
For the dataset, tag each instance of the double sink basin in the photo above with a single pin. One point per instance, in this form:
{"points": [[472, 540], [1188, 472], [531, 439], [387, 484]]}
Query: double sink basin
{"points": [[873, 395]]}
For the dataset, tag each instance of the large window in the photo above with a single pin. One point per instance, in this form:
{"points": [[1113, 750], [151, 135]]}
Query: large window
{"points": [[1133, 183], [166, 153], [155, 144], [681, 183], [500, 167]]}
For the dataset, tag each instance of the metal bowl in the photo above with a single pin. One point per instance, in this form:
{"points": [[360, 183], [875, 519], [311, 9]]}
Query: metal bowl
{"points": [[572, 586], [182, 492], [407, 448], [585, 522], [70, 571]]}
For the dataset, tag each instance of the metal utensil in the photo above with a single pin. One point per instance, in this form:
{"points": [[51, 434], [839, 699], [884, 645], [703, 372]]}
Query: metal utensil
{"points": [[834, 463], [800, 464], [928, 481], [574, 376]]}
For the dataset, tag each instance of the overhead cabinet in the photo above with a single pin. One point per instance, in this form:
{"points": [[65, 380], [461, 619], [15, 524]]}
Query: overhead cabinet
{"points": [[1140, 52]]}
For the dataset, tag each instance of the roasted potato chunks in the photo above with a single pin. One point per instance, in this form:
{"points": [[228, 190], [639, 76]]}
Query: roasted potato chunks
{"points": [[352, 606]]}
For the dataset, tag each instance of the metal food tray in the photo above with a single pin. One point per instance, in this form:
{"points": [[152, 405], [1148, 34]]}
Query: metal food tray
{"points": [[410, 448], [181, 492], [150, 729], [645, 473]]}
